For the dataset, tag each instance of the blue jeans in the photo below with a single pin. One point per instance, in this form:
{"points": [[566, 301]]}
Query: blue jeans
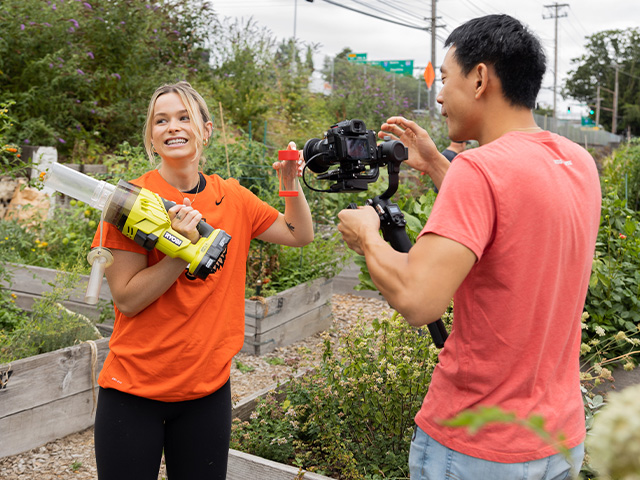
{"points": [[430, 460]]}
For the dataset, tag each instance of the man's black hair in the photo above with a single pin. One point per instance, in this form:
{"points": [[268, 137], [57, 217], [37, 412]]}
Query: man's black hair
{"points": [[507, 45]]}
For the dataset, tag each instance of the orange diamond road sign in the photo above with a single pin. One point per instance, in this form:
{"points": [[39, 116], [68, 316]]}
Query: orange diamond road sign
{"points": [[429, 75]]}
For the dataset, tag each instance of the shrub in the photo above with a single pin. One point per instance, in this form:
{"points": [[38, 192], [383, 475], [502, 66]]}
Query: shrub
{"points": [[49, 326], [353, 418], [621, 171], [81, 73], [612, 299]]}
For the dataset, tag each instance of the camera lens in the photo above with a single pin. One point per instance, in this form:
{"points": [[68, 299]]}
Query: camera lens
{"points": [[315, 153], [393, 151]]}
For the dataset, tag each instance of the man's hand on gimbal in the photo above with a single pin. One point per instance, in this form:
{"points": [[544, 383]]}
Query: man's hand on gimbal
{"points": [[356, 224], [423, 153]]}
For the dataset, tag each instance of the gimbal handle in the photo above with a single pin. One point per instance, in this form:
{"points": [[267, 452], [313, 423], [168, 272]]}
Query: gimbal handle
{"points": [[392, 224]]}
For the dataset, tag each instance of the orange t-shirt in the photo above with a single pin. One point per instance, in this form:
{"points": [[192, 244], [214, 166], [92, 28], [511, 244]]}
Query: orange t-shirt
{"points": [[180, 347]]}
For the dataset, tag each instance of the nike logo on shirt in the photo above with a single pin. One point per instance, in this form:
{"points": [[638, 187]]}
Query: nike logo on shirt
{"points": [[219, 202]]}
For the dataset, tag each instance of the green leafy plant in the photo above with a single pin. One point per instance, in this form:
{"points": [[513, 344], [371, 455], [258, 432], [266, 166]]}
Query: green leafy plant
{"points": [[612, 300], [614, 445], [10, 154], [49, 326], [81, 73], [353, 417], [243, 367]]}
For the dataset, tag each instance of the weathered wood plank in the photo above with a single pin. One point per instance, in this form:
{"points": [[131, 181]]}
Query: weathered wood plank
{"points": [[26, 300], [31, 428], [287, 317], [243, 466], [290, 303], [292, 330], [49, 377], [36, 280]]}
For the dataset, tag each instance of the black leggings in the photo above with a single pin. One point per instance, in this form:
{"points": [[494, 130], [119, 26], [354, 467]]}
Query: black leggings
{"points": [[132, 432]]}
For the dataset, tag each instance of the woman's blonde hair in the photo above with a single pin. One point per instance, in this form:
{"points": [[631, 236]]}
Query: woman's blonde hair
{"points": [[196, 108]]}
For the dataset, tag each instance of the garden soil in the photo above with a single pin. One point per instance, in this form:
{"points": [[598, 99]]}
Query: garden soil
{"points": [[72, 457]]}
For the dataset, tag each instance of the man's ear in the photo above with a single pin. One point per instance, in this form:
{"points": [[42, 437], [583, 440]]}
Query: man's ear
{"points": [[481, 72]]}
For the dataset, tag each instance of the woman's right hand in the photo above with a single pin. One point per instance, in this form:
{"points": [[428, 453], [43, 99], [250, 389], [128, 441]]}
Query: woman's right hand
{"points": [[185, 219]]}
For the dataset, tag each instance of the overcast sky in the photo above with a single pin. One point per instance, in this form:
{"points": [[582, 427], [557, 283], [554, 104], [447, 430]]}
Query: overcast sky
{"points": [[335, 28]]}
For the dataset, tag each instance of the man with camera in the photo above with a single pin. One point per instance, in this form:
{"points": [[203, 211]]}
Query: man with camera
{"points": [[511, 239]]}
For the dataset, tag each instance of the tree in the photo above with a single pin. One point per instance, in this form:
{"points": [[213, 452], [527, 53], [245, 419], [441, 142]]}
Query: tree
{"points": [[597, 68], [367, 92], [81, 73]]}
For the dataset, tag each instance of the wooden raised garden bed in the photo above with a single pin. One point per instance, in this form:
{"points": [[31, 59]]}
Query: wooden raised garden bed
{"points": [[270, 322], [49, 396], [287, 317]]}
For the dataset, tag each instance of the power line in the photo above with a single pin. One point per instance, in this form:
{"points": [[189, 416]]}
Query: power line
{"points": [[426, 29]]}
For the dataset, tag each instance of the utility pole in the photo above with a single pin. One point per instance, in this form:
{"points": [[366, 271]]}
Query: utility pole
{"points": [[614, 121], [432, 92], [598, 106], [555, 15]]}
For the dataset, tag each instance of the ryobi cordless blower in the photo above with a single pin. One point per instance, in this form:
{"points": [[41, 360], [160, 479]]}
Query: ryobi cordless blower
{"points": [[140, 215]]}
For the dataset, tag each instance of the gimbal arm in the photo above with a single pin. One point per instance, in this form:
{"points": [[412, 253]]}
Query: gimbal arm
{"points": [[392, 224]]}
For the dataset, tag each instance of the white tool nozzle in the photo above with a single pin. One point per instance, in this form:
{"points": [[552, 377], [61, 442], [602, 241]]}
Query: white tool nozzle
{"points": [[99, 258], [94, 193]]}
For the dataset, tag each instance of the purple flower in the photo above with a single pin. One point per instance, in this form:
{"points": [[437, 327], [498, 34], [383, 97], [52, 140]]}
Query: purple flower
{"points": [[75, 23], [78, 127], [148, 6], [71, 30], [123, 22], [87, 5], [22, 27], [61, 140], [116, 75], [78, 100], [80, 72], [53, 7], [93, 111], [26, 140], [46, 24], [90, 54]]}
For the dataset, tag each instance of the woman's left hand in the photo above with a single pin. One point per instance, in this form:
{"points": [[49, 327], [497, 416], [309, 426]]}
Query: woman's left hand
{"points": [[292, 146]]}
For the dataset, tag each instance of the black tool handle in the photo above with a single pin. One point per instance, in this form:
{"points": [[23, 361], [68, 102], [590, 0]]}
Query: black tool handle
{"points": [[203, 227]]}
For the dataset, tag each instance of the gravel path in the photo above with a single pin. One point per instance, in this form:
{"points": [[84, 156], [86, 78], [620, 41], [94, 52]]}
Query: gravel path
{"points": [[73, 456]]}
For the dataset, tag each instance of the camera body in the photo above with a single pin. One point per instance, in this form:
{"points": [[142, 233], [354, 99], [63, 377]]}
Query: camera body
{"points": [[354, 149]]}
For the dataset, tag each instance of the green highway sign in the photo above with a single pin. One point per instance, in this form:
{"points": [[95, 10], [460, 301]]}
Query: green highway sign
{"points": [[401, 67], [357, 57]]}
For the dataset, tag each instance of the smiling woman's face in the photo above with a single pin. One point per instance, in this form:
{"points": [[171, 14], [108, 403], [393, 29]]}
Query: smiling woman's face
{"points": [[171, 131]]}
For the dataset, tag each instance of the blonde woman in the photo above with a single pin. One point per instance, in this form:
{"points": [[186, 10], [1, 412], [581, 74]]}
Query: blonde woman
{"points": [[165, 383]]}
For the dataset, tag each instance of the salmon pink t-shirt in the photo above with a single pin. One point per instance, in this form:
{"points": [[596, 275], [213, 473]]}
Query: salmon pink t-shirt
{"points": [[180, 347], [528, 206]]}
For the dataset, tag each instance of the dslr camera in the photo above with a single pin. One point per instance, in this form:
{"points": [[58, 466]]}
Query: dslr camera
{"points": [[353, 149]]}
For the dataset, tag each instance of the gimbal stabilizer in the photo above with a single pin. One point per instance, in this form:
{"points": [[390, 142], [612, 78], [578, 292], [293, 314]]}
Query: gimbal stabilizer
{"points": [[354, 149], [393, 226]]}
